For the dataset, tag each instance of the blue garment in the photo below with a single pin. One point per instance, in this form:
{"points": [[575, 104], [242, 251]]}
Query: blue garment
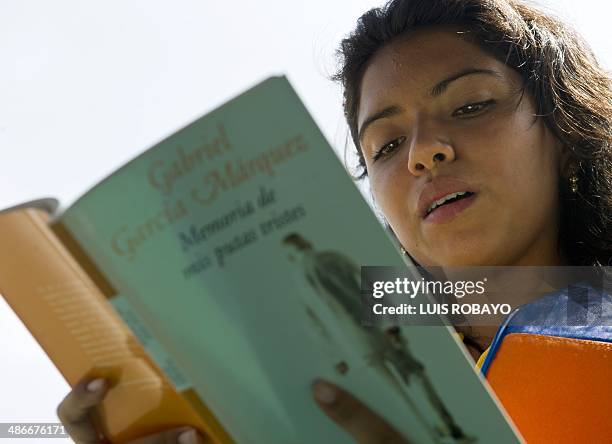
{"points": [[579, 311]]}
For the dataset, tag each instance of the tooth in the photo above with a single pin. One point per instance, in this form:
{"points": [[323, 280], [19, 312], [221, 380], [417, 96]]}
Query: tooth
{"points": [[439, 202]]}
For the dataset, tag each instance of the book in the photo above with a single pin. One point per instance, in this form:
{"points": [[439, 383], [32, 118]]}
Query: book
{"points": [[178, 279]]}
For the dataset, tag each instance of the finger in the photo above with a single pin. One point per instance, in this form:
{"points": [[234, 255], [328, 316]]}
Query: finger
{"points": [[182, 435], [349, 413], [74, 410]]}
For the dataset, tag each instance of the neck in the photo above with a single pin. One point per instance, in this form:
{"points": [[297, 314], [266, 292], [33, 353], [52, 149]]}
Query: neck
{"points": [[514, 285]]}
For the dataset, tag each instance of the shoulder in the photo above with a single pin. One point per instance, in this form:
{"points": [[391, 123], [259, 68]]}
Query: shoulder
{"points": [[580, 312]]}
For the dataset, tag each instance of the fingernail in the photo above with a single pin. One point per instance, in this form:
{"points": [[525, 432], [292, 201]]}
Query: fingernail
{"points": [[324, 392], [188, 437], [95, 385]]}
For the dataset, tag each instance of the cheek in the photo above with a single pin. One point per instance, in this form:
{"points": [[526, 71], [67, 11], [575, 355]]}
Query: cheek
{"points": [[539, 186], [521, 175], [390, 191]]}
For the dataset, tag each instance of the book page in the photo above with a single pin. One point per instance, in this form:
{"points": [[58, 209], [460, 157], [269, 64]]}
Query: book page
{"points": [[238, 243]]}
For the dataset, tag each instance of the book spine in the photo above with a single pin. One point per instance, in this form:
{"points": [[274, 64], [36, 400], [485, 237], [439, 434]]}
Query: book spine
{"points": [[69, 314]]}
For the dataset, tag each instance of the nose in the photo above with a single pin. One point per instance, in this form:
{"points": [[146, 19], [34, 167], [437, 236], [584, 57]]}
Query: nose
{"points": [[428, 148]]}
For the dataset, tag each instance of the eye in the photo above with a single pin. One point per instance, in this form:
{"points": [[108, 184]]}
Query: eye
{"points": [[472, 108], [388, 148]]}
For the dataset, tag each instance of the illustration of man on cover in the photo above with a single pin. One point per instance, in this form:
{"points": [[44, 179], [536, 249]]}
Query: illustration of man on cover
{"points": [[337, 280]]}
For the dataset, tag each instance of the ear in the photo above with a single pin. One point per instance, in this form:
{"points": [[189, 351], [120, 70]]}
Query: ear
{"points": [[566, 163]]}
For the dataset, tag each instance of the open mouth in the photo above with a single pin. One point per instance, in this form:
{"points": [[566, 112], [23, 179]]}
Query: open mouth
{"points": [[448, 201]]}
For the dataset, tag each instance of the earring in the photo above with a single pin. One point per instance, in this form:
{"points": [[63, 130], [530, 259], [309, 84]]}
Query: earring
{"points": [[573, 180], [404, 252]]}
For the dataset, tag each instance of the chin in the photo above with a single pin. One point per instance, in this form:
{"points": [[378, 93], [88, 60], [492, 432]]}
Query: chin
{"points": [[460, 256], [466, 247], [464, 262]]}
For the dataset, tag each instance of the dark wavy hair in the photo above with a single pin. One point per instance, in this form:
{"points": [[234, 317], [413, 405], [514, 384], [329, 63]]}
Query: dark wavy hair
{"points": [[572, 93]]}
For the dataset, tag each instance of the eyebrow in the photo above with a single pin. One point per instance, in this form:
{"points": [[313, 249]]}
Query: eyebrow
{"points": [[390, 111], [438, 89], [441, 86]]}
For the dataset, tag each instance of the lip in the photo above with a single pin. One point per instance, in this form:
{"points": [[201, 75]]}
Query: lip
{"points": [[437, 189]]}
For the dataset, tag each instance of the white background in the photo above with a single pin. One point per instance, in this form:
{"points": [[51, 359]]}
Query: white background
{"points": [[85, 86]]}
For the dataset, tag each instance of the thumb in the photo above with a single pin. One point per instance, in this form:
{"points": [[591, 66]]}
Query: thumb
{"points": [[74, 410], [353, 416]]}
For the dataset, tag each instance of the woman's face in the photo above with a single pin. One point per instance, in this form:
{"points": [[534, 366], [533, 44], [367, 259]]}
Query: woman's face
{"points": [[439, 116]]}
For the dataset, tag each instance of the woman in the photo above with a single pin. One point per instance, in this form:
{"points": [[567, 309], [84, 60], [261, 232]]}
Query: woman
{"points": [[486, 98]]}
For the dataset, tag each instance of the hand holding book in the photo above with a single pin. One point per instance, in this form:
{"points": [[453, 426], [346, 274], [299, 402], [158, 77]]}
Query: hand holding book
{"points": [[356, 418], [75, 412], [343, 408]]}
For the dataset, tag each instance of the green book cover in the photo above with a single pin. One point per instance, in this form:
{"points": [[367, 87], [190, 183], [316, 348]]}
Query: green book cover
{"points": [[201, 237]]}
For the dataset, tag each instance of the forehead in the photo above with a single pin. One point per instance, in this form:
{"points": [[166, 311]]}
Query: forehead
{"points": [[412, 64]]}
